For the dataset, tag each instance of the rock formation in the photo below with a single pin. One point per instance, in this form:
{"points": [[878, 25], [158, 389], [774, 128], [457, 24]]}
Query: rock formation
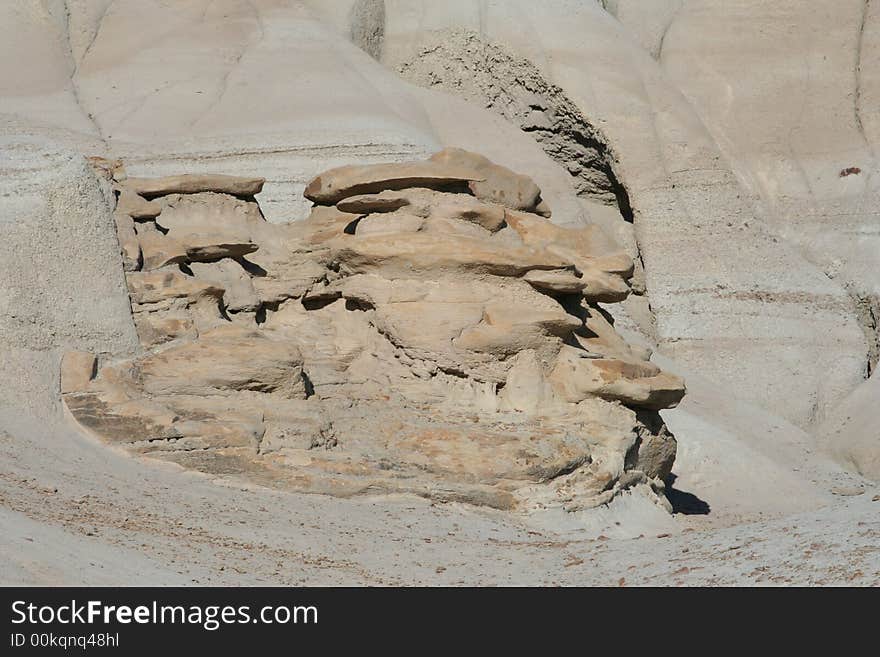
{"points": [[425, 330]]}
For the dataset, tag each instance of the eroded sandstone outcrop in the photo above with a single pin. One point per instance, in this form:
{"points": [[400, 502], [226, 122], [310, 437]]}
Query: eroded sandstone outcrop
{"points": [[424, 331]]}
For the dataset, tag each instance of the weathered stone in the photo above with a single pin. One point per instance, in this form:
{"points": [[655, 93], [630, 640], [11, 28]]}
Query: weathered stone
{"points": [[490, 216], [210, 226], [78, 368], [388, 224], [129, 246], [154, 329], [386, 201], [121, 421], [110, 170], [219, 362], [526, 388], [604, 272], [587, 244], [656, 448], [195, 183], [558, 281], [493, 182], [643, 385], [412, 338], [136, 206], [158, 250], [442, 228], [160, 285], [337, 184], [428, 203], [239, 294], [221, 248], [543, 209], [599, 337], [408, 252], [290, 282]]}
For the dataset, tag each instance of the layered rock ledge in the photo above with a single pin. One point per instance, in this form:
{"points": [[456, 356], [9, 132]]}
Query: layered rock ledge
{"points": [[427, 330]]}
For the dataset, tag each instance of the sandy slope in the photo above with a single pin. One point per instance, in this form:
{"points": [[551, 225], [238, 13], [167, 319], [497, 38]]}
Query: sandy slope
{"points": [[76, 513]]}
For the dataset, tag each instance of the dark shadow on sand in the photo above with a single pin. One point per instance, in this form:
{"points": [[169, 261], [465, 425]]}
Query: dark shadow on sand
{"points": [[684, 503]]}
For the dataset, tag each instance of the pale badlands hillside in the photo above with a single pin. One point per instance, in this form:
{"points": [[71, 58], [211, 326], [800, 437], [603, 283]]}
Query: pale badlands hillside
{"points": [[728, 149]]}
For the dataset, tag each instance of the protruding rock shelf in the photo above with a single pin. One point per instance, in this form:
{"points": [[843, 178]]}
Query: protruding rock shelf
{"points": [[426, 330]]}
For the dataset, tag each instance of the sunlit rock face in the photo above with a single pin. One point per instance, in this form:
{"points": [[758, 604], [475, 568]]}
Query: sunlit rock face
{"points": [[425, 330]]}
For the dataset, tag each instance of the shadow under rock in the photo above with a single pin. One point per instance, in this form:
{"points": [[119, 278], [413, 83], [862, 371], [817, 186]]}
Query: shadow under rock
{"points": [[684, 503]]}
